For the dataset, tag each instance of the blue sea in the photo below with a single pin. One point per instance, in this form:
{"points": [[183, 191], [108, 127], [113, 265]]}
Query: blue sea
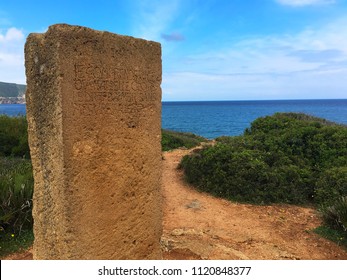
{"points": [[230, 118], [216, 118]]}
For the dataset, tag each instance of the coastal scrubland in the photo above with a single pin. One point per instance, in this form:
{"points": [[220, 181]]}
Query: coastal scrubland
{"points": [[285, 158]]}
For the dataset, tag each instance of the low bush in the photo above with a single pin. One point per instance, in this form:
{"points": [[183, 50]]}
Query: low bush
{"points": [[331, 185], [14, 136], [172, 140], [284, 158], [245, 176], [16, 189]]}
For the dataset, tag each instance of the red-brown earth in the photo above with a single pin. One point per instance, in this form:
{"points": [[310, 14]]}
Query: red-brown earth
{"points": [[199, 226]]}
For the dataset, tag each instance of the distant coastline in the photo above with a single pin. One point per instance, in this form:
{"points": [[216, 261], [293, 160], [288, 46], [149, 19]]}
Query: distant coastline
{"points": [[12, 100], [11, 93]]}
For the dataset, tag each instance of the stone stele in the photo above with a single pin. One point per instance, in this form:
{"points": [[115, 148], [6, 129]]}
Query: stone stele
{"points": [[94, 125]]}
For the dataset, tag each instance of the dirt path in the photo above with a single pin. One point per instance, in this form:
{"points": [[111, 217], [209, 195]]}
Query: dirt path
{"points": [[198, 226]]}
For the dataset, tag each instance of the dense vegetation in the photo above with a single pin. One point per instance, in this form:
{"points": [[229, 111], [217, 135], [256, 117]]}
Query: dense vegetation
{"points": [[13, 137], [16, 185], [11, 90], [291, 158], [172, 140], [16, 188], [284, 158]]}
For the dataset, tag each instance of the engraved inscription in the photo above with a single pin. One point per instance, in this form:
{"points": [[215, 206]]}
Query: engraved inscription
{"points": [[97, 78], [97, 88]]}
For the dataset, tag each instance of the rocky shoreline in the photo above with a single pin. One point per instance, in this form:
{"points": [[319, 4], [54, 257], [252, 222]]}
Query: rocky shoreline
{"points": [[12, 100]]}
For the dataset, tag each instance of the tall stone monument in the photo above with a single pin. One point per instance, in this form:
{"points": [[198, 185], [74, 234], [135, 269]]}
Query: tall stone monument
{"points": [[94, 117]]}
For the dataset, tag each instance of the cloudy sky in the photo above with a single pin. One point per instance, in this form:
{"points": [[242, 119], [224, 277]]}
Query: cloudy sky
{"points": [[212, 49]]}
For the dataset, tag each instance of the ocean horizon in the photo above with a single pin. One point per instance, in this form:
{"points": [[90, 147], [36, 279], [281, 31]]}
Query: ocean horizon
{"points": [[212, 119]]}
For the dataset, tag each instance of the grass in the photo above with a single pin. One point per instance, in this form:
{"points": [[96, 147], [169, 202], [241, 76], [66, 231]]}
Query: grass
{"points": [[10, 243], [16, 189], [172, 140], [337, 236], [16, 186]]}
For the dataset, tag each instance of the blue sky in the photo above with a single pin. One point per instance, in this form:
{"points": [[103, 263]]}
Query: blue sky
{"points": [[212, 49]]}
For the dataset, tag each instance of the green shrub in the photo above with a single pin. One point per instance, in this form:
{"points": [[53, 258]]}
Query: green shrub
{"points": [[280, 158], [335, 216], [244, 176], [304, 139], [16, 189], [331, 185], [14, 136], [172, 140]]}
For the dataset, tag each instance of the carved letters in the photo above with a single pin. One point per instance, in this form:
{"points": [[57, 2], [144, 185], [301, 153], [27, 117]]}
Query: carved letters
{"points": [[97, 83]]}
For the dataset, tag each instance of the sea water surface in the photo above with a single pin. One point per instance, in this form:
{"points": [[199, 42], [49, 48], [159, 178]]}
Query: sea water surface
{"points": [[12, 109], [216, 118]]}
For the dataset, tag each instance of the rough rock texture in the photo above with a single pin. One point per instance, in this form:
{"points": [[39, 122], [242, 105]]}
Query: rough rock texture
{"points": [[93, 109]]}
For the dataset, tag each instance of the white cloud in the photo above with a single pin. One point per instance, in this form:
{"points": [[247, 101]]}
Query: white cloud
{"points": [[12, 34], [300, 3], [310, 64], [154, 17], [12, 55]]}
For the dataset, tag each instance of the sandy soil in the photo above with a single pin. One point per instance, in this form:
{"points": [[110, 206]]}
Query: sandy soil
{"points": [[199, 226]]}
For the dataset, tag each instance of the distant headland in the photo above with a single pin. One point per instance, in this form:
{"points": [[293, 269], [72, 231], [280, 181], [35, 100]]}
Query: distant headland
{"points": [[11, 93]]}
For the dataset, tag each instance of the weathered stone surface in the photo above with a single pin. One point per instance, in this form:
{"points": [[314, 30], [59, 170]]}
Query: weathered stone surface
{"points": [[93, 109]]}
